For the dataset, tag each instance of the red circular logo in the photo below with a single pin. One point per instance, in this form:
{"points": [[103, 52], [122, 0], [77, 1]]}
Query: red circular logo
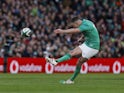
{"points": [[14, 67]]}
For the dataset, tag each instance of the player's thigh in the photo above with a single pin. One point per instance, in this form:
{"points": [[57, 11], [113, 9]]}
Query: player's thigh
{"points": [[87, 52], [75, 51]]}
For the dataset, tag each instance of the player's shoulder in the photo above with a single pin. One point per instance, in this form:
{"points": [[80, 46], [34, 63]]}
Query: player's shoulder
{"points": [[87, 21]]}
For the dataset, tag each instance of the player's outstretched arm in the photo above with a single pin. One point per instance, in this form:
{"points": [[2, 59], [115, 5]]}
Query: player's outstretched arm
{"points": [[67, 31]]}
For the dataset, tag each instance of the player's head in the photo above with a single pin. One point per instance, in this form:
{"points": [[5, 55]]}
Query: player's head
{"points": [[75, 22]]}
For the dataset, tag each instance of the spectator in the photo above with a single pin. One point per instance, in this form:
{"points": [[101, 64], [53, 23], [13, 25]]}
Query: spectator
{"points": [[43, 16]]}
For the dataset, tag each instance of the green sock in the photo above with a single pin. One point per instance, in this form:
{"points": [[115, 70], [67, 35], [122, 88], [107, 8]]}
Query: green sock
{"points": [[75, 73], [63, 58]]}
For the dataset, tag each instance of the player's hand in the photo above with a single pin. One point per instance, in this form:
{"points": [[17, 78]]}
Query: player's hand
{"points": [[57, 31]]}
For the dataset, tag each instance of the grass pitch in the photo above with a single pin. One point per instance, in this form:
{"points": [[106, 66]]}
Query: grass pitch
{"points": [[43, 83]]}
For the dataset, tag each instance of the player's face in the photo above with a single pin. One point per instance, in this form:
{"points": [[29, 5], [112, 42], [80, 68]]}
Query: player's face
{"points": [[76, 24]]}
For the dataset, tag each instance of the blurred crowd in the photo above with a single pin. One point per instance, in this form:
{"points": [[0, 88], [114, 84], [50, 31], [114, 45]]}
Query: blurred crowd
{"points": [[43, 16]]}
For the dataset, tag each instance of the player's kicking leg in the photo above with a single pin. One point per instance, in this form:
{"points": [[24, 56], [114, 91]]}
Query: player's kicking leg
{"points": [[76, 51], [77, 70]]}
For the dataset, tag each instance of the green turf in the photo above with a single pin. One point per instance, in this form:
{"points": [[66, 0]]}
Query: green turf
{"points": [[42, 83]]}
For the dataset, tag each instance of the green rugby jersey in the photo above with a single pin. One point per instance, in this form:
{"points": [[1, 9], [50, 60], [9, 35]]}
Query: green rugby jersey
{"points": [[90, 33]]}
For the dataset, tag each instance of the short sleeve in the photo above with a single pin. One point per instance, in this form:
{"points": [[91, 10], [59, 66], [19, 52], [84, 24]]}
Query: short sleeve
{"points": [[84, 27]]}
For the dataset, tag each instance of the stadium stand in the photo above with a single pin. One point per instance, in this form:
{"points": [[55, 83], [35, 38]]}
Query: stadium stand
{"points": [[43, 16]]}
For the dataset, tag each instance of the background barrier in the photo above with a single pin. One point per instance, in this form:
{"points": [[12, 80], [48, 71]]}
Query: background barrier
{"points": [[1, 64], [38, 65]]}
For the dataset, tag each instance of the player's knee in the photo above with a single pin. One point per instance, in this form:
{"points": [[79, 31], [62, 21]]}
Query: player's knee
{"points": [[81, 60], [71, 53]]}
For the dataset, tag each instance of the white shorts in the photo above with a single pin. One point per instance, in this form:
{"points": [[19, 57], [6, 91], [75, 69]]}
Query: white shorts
{"points": [[87, 52]]}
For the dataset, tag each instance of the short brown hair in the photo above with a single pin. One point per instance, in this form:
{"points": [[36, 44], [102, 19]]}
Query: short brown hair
{"points": [[74, 19]]}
